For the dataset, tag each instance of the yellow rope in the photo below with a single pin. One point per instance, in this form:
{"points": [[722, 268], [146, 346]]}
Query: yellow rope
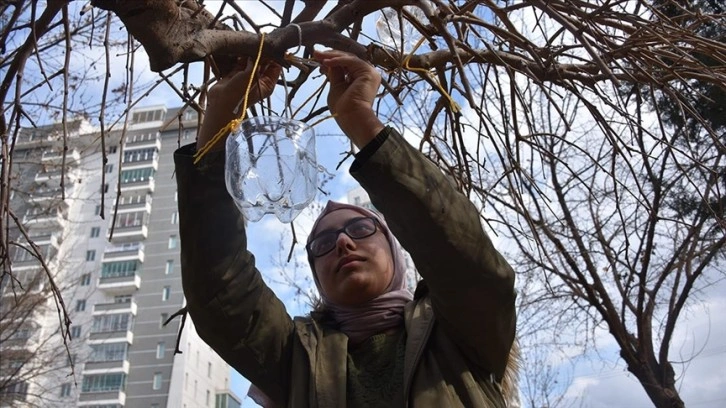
{"points": [[452, 104], [235, 122]]}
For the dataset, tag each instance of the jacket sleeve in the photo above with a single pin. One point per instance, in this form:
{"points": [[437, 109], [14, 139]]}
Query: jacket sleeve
{"points": [[232, 308], [471, 285]]}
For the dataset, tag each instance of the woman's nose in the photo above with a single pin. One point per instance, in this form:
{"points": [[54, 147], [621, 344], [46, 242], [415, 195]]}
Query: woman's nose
{"points": [[344, 242]]}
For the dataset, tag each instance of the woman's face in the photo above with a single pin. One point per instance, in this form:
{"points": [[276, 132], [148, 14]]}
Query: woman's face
{"points": [[355, 271]]}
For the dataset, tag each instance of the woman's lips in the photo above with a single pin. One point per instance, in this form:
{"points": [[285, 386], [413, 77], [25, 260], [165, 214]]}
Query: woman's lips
{"points": [[347, 260]]}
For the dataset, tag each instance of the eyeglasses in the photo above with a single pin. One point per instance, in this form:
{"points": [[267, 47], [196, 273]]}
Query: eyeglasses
{"points": [[357, 228]]}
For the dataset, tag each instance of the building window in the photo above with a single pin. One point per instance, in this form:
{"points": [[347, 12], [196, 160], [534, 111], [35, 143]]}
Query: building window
{"points": [[169, 266], [140, 155], [105, 188], [160, 350], [85, 279], [72, 359], [164, 318], [119, 269], [147, 116], [209, 370], [65, 390], [206, 400], [109, 168], [95, 232], [156, 385], [80, 305], [190, 114], [112, 149], [165, 293], [109, 323], [172, 241], [108, 352], [123, 299], [137, 175], [98, 210], [131, 219], [16, 391], [91, 255], [75, 332], [175, 217], [103, 382]]}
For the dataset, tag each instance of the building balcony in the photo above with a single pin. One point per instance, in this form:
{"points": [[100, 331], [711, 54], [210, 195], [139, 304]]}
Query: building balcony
{"points": [[144, 163], [111, 337], [143, 185], [143, 143], [118, 285], [21, 335], [45, 176], [117, 307], [102, 398], [138, 206], [127, 252], [104, 367], [31, 307], [18, 343], [27, 264], [46, 239], [72, 155], [52, 219], [48, 196], [127, 234]]}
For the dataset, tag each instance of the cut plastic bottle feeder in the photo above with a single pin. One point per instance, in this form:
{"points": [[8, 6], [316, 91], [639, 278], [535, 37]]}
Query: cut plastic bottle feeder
{"points": [[271, 167]]}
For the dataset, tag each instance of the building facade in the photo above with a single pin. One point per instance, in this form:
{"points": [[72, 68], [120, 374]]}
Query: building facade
{"points": [[104, 220]]}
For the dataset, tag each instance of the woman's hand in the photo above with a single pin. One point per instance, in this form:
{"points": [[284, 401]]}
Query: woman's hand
{"points": [[353, 87], [227, 93]]}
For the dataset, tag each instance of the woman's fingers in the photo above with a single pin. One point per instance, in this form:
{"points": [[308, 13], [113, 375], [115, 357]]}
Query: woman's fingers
{"points": [[265, 82]]}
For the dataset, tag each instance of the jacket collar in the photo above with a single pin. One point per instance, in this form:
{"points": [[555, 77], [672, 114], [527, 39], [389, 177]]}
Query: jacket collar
{"points": [[327, 350]]}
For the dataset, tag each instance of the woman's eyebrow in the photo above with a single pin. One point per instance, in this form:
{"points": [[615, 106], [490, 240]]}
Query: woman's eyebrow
{"points": [[330, 229], [345, 224]]}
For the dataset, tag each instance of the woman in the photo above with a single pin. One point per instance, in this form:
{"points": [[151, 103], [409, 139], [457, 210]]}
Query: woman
{"points": [[375, 345]]}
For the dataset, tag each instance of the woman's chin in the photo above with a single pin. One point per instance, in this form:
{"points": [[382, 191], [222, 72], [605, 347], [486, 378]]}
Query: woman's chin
{"points": [[357, 293]]}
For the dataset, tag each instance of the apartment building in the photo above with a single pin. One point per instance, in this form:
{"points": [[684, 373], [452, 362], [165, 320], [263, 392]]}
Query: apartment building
{"points": [[104, 219]]}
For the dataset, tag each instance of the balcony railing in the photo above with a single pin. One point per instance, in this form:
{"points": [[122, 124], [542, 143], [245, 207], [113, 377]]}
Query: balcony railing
{"points": [[103, 367], [137, 206], [132, 233], [71, 155], [111, 337], [124, 253], [44, 176], [148, 162], [147, 185], [46, 239], [120, 284], [47, 195], [52, 219], [102, 398], [116, 307], [144, 143]]}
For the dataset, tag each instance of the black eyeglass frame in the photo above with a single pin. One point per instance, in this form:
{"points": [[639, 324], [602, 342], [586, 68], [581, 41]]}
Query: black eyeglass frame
{"points": [[343, 229]]}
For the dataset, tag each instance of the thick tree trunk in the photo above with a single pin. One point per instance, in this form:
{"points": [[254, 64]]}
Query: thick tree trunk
{"points": [[660, 385]]}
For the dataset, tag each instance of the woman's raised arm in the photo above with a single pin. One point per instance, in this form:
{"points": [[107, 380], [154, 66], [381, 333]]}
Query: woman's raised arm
{"points": [[232, 308]]}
